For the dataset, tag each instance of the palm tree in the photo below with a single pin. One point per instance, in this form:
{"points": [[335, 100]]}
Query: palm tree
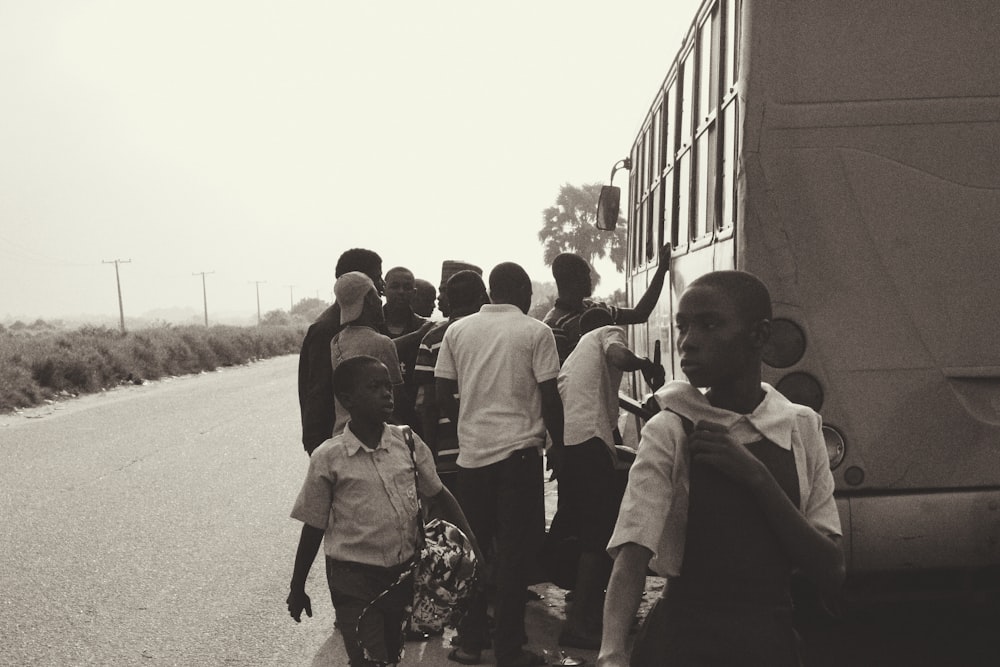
{"points": [[568, 226]]}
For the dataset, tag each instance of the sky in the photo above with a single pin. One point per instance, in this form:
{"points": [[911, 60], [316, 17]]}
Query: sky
{"points": [[258, 140]]}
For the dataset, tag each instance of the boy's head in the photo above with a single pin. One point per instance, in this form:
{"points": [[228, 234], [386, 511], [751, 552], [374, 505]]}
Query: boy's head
{"points": [[466, 293], [399, 286], [510, 284], [366, 261], [449, 268], [424, 296], [594, 318], [723, 322], [363, 387], [357, 297], [572, 274]]}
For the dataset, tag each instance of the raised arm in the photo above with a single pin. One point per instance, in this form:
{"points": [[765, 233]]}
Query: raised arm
{"points": [[624, 359], [644, 308]]}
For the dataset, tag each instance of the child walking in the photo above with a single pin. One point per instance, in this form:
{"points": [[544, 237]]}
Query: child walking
{"points": [[730, 491], [359, 500]]}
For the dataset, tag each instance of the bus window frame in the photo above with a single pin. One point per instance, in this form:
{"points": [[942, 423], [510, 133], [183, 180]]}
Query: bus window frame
{"points": [[706, 195]]}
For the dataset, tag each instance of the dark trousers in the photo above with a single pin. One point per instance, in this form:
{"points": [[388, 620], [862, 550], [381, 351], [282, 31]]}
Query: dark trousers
{"points": [[353, 588], [504, 505]]}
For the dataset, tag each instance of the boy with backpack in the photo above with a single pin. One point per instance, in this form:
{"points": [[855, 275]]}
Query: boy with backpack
{"points": [[730, 491], [359, 500]]}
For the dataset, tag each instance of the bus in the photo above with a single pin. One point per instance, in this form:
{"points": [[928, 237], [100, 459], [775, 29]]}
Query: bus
{"points": [[847, 152]]}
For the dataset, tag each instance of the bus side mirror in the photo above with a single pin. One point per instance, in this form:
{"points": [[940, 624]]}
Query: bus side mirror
{"points": [[607, 207]]}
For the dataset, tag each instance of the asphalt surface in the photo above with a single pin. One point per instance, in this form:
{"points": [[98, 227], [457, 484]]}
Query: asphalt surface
{"points": [[149, 526]]}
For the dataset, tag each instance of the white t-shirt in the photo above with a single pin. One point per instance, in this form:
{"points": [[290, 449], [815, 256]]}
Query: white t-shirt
{"points": [[588, 385], [498, 356]]}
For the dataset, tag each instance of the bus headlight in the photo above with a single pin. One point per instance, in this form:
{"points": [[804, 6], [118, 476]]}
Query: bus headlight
{"points": [[835, 446], [801, 388], [787, 344]]}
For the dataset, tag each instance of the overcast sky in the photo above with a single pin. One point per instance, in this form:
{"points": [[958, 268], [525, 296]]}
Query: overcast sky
{"points": [[260, 139]]}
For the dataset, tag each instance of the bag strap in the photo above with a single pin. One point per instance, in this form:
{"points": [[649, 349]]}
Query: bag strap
{"points": [[411, 445], [685, 422]]}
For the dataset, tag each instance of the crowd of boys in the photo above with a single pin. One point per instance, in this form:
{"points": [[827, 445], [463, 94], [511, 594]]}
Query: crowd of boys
{"points": [[728, 493]]}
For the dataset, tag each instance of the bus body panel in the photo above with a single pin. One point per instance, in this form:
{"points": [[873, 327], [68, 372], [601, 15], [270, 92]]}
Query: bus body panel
{"points": [[867, 197]]}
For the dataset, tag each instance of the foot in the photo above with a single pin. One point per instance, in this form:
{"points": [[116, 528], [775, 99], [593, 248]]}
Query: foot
{"points": [[463, 657]]}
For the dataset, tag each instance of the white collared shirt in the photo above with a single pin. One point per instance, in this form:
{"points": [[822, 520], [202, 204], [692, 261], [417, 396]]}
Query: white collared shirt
{"points": [[365, 499], [654, 510]]}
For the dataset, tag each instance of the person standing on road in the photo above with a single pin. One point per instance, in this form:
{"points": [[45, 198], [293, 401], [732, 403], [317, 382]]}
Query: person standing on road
{"points": [[316, 400], [358, 501], [729, 492], [589, 489], [504, 366], [361, 320], [466, 295]]}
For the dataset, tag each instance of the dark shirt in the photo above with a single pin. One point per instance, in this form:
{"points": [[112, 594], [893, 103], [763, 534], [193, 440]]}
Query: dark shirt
{"points": [[564, 320], [316, 403]]}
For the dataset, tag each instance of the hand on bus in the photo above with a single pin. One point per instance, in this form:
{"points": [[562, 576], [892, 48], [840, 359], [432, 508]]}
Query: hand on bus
{"points": [[654, 374], [664, 256], [710, 443]]}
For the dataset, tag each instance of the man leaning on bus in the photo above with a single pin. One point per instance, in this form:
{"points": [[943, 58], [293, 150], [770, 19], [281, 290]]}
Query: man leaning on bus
{"points": [[574, 282]]}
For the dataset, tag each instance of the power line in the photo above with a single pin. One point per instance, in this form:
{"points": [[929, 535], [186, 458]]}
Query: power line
{"points": [[204, 292], [118, 282]]}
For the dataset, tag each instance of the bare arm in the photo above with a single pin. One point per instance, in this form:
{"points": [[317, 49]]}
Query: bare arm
{"points": [[628, 578], [309, 543], [644, 308]]}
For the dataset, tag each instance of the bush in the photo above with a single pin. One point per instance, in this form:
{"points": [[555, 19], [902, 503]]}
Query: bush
{"points": [[45, 364]]}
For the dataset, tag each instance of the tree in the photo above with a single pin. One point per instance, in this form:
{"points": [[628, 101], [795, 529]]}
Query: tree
{"points": [[569, 226], [308, 309], [275, 318]]}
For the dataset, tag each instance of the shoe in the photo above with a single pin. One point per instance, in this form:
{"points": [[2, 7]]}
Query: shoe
{"points": [[526, 659], [575, 640], [463, 658]]}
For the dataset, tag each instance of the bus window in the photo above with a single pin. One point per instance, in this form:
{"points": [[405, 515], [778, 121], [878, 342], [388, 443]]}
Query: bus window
{"points": [[686, 126], [684, 199], [729, 66], [655, 143], [728, 171]]}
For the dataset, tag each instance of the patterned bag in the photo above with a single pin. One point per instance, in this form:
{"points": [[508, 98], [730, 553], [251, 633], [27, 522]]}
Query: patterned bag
{"points": [[444, 572]]}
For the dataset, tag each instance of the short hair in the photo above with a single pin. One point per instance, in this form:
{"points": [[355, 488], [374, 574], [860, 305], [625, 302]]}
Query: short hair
{"points": [[749, 294], [568, 268], [464, 288], [595, 318], [358, 259], [425, 286], [506, 279], [347, 374], [398, 269]]}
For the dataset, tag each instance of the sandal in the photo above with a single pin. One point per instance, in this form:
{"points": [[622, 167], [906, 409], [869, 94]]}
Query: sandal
{"points": [[465, 657]]}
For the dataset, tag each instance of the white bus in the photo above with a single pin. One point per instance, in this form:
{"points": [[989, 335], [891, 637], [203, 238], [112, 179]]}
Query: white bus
{"points": [[848, 153]]}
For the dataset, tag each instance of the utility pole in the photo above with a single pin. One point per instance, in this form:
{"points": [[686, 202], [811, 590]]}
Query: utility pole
{"points": [[258, 284], [118, 282], [204, 292], [291, 299]]}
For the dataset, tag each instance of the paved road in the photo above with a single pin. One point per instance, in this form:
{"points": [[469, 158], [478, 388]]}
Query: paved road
{"points": [[149, 526]]}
